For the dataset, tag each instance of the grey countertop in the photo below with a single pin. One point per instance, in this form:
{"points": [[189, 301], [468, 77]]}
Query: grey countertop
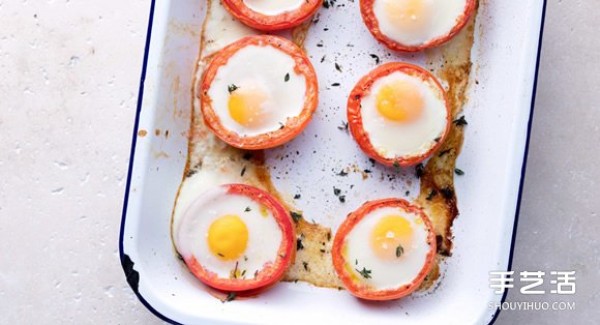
{"points": [[63, 169]]}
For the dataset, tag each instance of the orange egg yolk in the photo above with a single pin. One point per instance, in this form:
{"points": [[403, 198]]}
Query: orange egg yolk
{"points": [[409, 15], [228, 237], [391, 237], [246, 106], [400, 101]]}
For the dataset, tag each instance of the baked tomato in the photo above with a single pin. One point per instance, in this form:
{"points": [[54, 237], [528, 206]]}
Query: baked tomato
{"points": [[415, 25], [236, 238], [259, 92], [384, 249], [398, 114], [272, 15]]}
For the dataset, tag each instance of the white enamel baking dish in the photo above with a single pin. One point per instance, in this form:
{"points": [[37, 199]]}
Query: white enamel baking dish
{"points": [[505, 56]]}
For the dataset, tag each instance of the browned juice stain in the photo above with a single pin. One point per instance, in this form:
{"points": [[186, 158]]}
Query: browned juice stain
{"points": [[438, 195], [313, 261], [300, 32]]}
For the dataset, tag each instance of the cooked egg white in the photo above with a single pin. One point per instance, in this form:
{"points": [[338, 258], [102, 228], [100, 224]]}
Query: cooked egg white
{"points": [[273, 8], [257, 90], [228, 234], [415, 22], [403, 115], [387, 248]]}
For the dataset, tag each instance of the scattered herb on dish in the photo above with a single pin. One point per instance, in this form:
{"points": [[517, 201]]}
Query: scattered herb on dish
{"points": [[374, 56], [420, 170], [461, 121], [296, 216], [338, 67], [230, 297], [299, 245]]}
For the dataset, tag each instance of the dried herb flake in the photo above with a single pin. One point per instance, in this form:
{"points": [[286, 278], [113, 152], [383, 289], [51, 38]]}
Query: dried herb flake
{"points": [[231, 88], [461, 121], [338, 67], [374, 56], [230, 296], [364, 272], [399, 251], [296, 216]]}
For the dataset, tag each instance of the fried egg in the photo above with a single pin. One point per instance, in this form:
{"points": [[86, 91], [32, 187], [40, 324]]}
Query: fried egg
{"points": [[384, 249], [259, 92], [398, 114], [235, 237], [411, 25]]}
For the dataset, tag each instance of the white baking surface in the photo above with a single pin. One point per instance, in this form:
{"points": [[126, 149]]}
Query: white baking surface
{"points": [[69, 86]]}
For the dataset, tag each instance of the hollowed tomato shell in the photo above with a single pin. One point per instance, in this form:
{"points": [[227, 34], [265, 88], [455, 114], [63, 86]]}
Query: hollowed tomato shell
{"points": [[361, 290], [355, 121], [257, 20], [294, 125], [368, 15], [272, 272]]}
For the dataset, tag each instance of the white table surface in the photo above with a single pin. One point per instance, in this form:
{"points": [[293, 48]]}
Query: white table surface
{"points": [[69, 74]]}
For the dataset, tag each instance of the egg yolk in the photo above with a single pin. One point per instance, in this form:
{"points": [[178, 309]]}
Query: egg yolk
{"points": [[408, 15], [391, 237], [400, 101], [228, 237], [246, 106]]}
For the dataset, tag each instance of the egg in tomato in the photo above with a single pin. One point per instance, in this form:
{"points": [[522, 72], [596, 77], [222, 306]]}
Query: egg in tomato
{"points": [[259, 92], [236, 238], [413, 25], [384, 249], [398, 114]]}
